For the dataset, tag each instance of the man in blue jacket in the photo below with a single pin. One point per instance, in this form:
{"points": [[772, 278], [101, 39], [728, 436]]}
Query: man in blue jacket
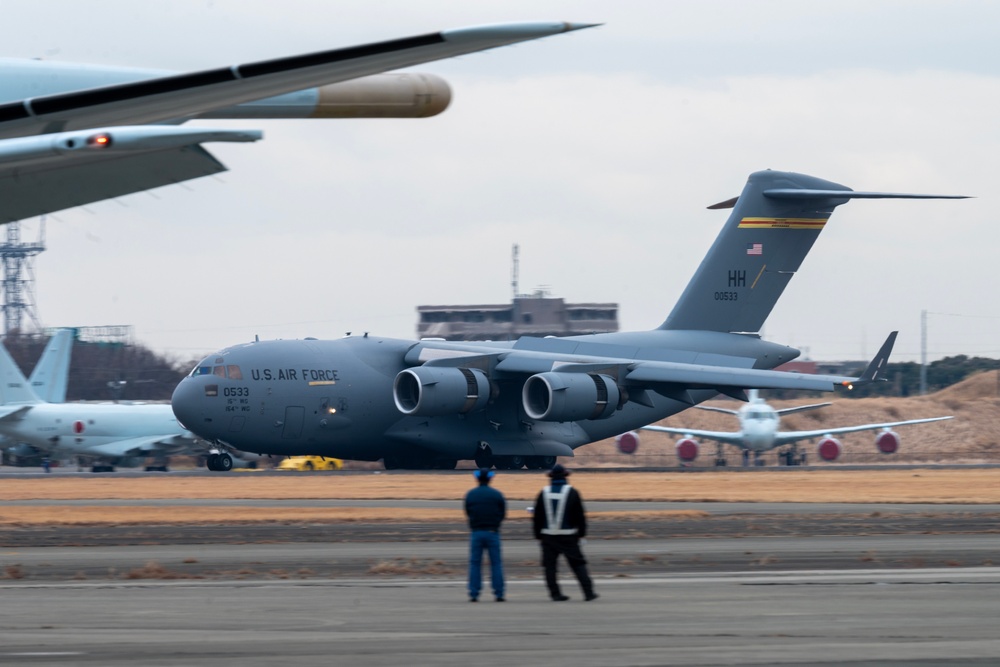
{"points": [[486, 509]]}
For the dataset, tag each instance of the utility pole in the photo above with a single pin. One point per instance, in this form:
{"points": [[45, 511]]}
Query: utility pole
{"points": [[514, 270], [923, 352]]}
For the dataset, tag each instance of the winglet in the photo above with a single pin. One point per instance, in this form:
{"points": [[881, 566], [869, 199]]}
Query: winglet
{"points": [[877, 365]]}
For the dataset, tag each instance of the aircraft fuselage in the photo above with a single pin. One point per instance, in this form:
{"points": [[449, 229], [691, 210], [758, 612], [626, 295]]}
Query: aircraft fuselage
{"points": [[336, 398]]}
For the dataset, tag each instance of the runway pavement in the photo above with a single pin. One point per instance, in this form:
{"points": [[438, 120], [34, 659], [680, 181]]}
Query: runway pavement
{"points": [[876, 617]]}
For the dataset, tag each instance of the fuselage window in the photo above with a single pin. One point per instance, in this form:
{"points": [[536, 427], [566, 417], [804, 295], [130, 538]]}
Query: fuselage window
{"points": [[234, 372], [201, 370], [220, 371]]}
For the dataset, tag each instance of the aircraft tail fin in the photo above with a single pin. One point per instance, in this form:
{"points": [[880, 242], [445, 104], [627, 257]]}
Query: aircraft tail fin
{"points": [[14, 387], [50, 377], [774, 223], [877, 365]]}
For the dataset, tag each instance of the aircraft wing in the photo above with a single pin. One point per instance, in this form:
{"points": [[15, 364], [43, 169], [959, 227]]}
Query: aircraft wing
{"points": [[103, 142], [788, 437], [178, 96], [726, 437], [13, 413], [57, 171], [168, 442]]}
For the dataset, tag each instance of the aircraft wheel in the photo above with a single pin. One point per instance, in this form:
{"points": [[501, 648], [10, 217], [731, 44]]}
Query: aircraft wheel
{"points": [[534, 462], [212, 462], [548, 462], [308, 466], [390, 462], [515, 462], [225, 462]]}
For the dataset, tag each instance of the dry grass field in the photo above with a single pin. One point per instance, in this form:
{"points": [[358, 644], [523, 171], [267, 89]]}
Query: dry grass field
{"points": [[972, 437], [921, 485]]}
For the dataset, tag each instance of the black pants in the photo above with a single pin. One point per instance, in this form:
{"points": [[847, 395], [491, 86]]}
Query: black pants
{"points": [[569, 546]]}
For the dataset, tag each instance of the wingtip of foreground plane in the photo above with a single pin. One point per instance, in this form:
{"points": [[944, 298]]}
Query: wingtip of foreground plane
{"points": [[515, 32]]}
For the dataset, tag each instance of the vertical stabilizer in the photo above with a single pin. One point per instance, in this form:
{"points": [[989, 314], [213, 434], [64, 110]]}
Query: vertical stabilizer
{"points": [[50, 378], [14, 389], [759, 250], [774, 223]]}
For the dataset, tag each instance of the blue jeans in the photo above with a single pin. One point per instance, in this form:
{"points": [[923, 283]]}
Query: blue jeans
{"points": [[487, 540]]}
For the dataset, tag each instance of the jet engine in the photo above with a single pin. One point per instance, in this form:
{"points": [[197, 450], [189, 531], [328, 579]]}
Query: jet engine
{"points": [[431, 391], [627, 443], [887, 442], [567, 397], [687, 449], [829, 448]]}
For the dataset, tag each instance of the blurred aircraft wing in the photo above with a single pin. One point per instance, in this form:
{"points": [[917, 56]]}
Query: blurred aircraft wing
{"points": [[178, 96], [72, 148], [166, 443], [788, 437], [725, 437]]}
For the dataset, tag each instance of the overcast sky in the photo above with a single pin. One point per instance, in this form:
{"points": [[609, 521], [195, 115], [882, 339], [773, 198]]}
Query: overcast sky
{"points": [[596, 151]]}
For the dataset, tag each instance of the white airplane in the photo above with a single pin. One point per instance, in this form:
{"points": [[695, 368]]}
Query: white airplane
{"points": [[759, 433], [71, 134], [105, 432]]}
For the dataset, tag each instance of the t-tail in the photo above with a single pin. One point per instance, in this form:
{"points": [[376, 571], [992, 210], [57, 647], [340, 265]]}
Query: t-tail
{"points": [[774, 223]]}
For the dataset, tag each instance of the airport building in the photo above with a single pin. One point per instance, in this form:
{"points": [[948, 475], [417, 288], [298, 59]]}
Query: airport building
{"points": [[527, 315]]}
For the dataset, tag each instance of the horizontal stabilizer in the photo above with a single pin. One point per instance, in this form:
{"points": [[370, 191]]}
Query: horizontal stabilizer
{"points": [[794, 193]]}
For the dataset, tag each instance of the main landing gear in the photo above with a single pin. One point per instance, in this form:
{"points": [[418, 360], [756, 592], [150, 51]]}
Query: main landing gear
{"points": [[219, 462], [720, 455], [792, 456]]}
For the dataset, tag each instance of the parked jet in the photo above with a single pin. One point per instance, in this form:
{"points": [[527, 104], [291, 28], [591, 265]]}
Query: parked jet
{"points": [[759, 433], [526, 402], [108, 131], [104, 432]]}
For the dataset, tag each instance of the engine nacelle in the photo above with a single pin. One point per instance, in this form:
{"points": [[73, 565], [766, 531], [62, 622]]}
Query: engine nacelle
{"points": [[687, 449], [829, 449], [432, 391], [887, 442], [627, 443], [569, 397]]}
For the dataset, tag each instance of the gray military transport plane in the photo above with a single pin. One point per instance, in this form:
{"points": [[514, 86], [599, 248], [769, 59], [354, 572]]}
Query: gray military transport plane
{"points": [[430, 403], [71, 134]]}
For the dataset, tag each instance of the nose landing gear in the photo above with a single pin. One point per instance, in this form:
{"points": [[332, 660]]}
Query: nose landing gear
{"points": [[219, 462]]}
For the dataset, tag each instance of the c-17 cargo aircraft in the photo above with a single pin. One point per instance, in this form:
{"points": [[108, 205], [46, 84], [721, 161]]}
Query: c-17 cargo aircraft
{"points": [[759, 433], [103, 432], [430, 403], [71, 134]]}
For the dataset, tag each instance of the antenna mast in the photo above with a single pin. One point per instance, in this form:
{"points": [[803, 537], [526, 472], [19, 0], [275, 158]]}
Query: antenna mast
{"points": [[514, 270], [18, 292]]}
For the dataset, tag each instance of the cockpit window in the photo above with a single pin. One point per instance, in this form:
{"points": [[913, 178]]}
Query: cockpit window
{"points": [[234, 372], [219, 371], [201, 370]]}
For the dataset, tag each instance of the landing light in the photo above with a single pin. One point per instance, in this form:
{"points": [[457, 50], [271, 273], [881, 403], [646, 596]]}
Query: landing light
{"points": [[99, 140], [848, 385]]}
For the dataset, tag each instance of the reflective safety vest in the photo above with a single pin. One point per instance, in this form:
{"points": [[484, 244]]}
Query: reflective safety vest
{"points": [[554, 516]]}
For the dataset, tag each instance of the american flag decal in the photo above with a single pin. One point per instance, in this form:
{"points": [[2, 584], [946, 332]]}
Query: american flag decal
{"points": [[755, 248]]}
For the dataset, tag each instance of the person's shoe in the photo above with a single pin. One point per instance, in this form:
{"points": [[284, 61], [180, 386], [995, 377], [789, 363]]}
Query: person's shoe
{"points": [[473, 599], [500, 598], [560, 598], [591, 596]]}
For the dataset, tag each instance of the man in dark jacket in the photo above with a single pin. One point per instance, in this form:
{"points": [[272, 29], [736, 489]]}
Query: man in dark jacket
{"points": [[486, 509], [560, 523]]}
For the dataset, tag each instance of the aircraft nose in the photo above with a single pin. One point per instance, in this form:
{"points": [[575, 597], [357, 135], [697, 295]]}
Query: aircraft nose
{"points": [[188, 404]]}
